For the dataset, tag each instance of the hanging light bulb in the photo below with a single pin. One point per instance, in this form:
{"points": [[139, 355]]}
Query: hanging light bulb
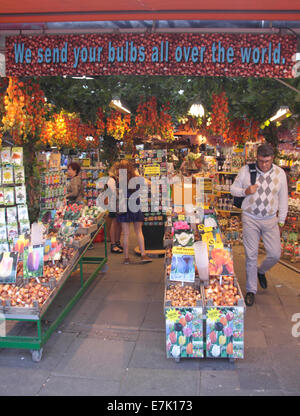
{"points": [[196, 110]]}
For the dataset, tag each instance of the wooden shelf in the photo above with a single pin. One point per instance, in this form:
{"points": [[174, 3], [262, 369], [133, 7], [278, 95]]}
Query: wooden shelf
{"points": [[227, 173], [233, 211]]}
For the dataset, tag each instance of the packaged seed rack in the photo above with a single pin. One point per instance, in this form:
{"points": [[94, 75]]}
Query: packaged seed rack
{"points": [[12, 197]]}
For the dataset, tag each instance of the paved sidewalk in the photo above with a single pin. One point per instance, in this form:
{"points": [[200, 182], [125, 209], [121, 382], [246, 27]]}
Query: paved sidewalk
{"points": [[112, 343]]}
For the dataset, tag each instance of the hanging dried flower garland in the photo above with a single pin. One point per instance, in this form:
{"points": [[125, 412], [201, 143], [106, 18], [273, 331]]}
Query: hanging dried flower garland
{"points": [[118, 125], [25, 110]]}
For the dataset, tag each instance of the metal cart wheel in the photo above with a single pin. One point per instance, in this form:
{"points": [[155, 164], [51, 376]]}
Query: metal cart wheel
{"points": [[104, 268], [231, 360], [177, 360], [36, 355]]}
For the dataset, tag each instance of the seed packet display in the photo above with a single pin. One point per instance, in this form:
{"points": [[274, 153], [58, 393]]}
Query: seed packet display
{"points": [[7, 175], [33, 262], [12, 232], [20, 194], [23, 213], [23, 218], [9, 196], [4, 247], [8, 267], [5, 156], [19, 174], [17, 156], [3, 234], [24, 227], [12, 224], [2, 217], [11, 215], [1, 196]]}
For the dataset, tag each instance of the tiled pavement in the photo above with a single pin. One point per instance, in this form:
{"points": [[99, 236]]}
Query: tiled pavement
{"points": [[112, 343]]}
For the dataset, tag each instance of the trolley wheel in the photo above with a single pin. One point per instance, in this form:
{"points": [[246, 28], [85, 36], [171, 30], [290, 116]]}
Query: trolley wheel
{"points": [[36, 355], [177, 360], [104, 268], [231, 360]]}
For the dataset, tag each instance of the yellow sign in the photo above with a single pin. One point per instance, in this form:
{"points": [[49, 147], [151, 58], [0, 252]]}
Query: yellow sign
{"points": [[188, 251], [213, 315], [86, 163], [152, 170], [298, 187], [181, 217], [172, 315]]}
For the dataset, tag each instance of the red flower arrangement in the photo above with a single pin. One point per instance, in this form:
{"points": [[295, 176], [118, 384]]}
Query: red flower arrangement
{"points": [[219, 115], [150, 122], [100, 122]]}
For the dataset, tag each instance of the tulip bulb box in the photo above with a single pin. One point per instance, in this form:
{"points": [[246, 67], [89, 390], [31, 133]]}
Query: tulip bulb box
{"points": [[183, 311], [224, 332]]}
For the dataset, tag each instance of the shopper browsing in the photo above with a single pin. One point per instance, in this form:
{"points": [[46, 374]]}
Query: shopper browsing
{"points": [[127, 217], [264, 208], [75, 186], [115, 226]]}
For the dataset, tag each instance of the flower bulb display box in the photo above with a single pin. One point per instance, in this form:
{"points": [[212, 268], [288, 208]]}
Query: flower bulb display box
{"points": [[184, 313]]}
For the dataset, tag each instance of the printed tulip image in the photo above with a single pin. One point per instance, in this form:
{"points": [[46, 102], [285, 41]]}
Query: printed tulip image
{"points": [[8, 267], [173, 337], [189, 348], [182, 340], [182, 268], [33, 262], [220, 262], [213, 337], [222, 340]]}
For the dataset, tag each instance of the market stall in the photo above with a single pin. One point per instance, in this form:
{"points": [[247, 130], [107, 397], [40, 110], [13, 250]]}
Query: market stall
{"points": [[36, 261]]}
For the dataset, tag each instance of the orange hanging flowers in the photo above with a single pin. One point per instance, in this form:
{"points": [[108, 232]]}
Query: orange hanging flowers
{"points": [[25, 110], [118, 125]]}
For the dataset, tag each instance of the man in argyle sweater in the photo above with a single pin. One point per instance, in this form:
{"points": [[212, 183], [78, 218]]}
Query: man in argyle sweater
{"points": [[264, 210]]}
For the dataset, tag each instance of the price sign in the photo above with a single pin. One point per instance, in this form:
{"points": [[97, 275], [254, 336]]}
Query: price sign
{"points": [[188, 251], [86, 163], [152, 170]]}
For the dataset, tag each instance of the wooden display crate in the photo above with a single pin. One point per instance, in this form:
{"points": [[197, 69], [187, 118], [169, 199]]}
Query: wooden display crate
{"points": [[87, 230], [82, 242]]}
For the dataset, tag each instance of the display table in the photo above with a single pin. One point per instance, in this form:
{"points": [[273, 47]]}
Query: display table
{"points": [[36, 314]]}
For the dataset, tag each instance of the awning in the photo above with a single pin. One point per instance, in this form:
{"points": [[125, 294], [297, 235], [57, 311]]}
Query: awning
{"points": [[94, 10]]}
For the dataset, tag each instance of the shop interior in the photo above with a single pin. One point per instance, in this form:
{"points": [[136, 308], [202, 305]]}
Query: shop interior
{"points": [[201, 128]]}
